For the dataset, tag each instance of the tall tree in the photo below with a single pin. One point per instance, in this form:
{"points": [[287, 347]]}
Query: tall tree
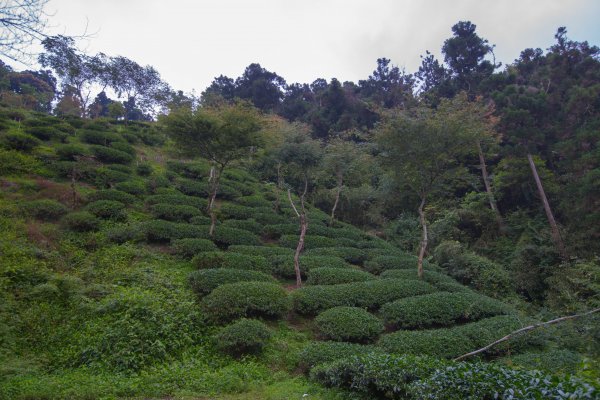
{"points": [[221, 135], [22, 22]]}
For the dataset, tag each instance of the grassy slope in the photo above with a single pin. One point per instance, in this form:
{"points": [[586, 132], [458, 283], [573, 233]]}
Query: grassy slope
{"points": [[83, 316]]}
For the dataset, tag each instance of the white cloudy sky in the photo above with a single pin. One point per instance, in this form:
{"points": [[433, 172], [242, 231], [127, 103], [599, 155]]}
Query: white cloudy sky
{"points": [[192, 41]]}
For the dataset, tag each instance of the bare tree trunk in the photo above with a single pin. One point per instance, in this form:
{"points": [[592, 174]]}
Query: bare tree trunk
{"points": [[553, 226], [340, 182], [303, 228], [215, 176], [278, 188], [488, 189], [424, 239]]}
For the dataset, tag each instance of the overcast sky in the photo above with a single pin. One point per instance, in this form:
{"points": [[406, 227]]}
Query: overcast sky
{"points": [[192, 41]]}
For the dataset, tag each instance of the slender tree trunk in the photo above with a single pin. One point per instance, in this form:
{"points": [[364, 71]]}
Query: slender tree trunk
{"points": [[340, 182], [553, 226], [278, 189], [215, 176], [424, 238], [488, 189], [303, 228]]}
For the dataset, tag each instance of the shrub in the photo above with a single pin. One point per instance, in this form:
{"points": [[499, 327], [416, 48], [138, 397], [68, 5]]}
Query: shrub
{"points": [[173, 212], [205, 281], [246, 299], [105, 177], [348, 324], [14, 162], [159, 230], [283, 266], [108, 209], [243, 337], [126, 233], [189, 247], [350, 254], [124, 147], [249, 225], [144, 169], [81, 221], [99, 137], [47, 210], [439, 280], [473, 381], [177, 199], [310, 241], [254, 201], [275, 231], [19, 141], [110, 155], [192, 187], [334, 276], [227, 192], [317, 353], [455, 341], [440, 309], [265, 251], [227, 236], [269, 217], [113, 195], [382, 263], [70, 152], [377, 375], [311, 300], [221, 259], [200, 220], [555, 361], [132, 187], [45, 132], [235, 211]]}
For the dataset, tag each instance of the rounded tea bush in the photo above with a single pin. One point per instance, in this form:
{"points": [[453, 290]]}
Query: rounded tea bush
{"points": [[189, 247], [47, 210], [349, 324], [108, 209], [316, 353], [112, 194], [333, 276], [226, 259], [71, 151], [110, 155], [246, 299], [174, 212], [19, 141], [243, 337], [205, 281], [81, 221]]}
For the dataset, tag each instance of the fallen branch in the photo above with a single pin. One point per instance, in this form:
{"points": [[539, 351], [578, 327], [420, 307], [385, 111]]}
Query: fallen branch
{"points": [[525, 329]]}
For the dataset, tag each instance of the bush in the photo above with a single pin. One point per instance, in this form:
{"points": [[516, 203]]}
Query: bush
{"points": [[348, 324], [159, 230], [126, 233], [555, 361], [311, 300], [14, 162], [317, 353], [135, 188], [106, 177], [350, 254], [249, 225], [99, 137], [382, 263], [108, 209], [226, 236], [113, 195], [440, 309], [47, 210], [235, 211], [200, 220], [124, 147], [283, 266], [46, 133], [265, 251], [109, 155], [310, 241], [190, 247], [473, 381], [70, 152], [144, 169], [81, 221], [226, 192], [439, 280], [456, 341], [377, 375], [19, 141], [269, 217], [246, 299], [221, 259], [254, 201], [192, 187], [173, 212], [243, 337], [205, 281], [177, 199], [334, 276]]}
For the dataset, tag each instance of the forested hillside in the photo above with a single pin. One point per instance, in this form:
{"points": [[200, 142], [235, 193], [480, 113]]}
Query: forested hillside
{"points": [[329, 240]]}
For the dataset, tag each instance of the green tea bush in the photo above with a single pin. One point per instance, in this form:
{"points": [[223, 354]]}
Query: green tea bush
{"points": [[254, 201], [126, 233], [238, 175], [283, 266], [310, 241], [378, 375], [113, 195], [235, 211], [555, 361], [190, 247], [19, 141], [474, 381], [177, 199], [249, 225], [16, 163], [439, 280], [275, 231], [46, 133], [71, 151], [205, 281], [227, 192], [194, 170], [458, 340], [124, 147], [96, 137], [200, 220], [135, 188], [334, 276], [226, 236], [265, 251], [382, 263], [348, 324], [106, 177], [269, 217], [174, 212], [440, 309], [246, 299], [316, 353], [110, 155], [350, 254], [107, 209], [159, 230], [311, 300], [226, 259], [46, 209], [193, 187], [144, 169], [81, 221], [246, 336]]}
